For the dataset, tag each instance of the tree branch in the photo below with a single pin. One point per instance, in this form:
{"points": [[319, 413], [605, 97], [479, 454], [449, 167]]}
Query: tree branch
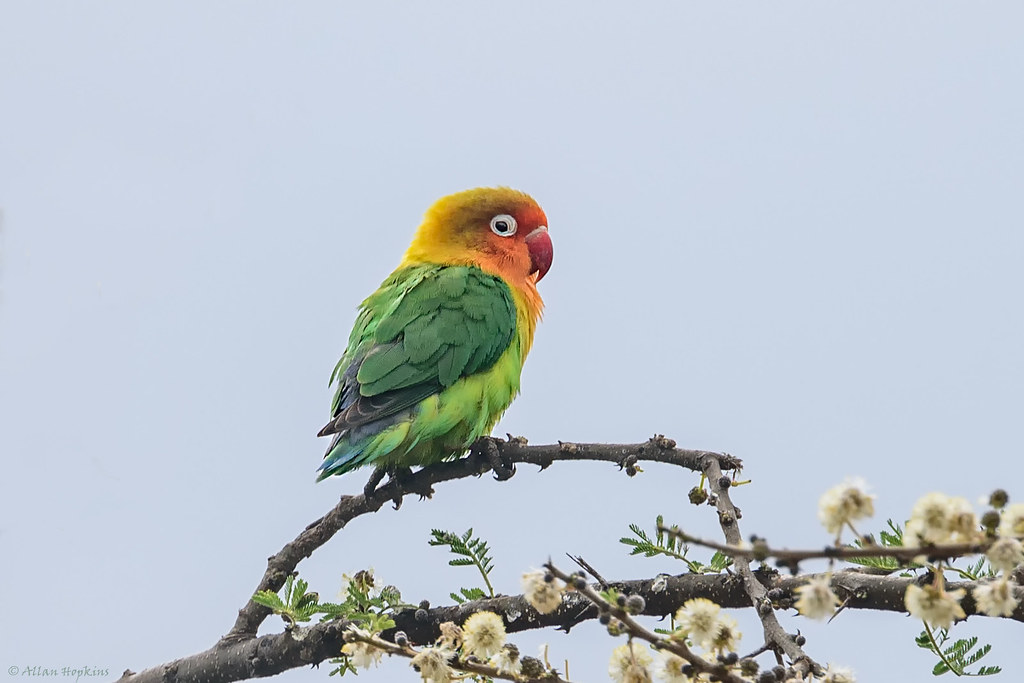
{"points": [[790, 557], [775, 637], [513, 451], [241, 655], [271, 654]]}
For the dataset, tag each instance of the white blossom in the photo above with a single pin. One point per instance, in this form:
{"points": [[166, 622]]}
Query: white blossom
{"points": [[451, 636], [996, 598], [483, 634], [1005, 554], [726, 637], [844, 503], [838, 674], [630, 663], [933, 604], [362, 655], [1012, 521], [816, 599], [507, 661], [698, 619], [432, 663], [670, 668], [544, 596], [364, 581], [937, 518]]}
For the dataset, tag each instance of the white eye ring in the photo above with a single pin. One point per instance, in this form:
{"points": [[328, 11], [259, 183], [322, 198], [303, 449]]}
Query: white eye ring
{"points": [[503, 225]]}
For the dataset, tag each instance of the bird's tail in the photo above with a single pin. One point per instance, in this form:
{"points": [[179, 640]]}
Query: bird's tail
{"points": [[374, 443], [342, 456]]}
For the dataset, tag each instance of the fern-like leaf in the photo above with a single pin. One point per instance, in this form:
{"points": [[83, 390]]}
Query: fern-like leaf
{"points": [[269, 599], [887, 539], [663, 544], [473, 552], [956, 657], [468, 594]]}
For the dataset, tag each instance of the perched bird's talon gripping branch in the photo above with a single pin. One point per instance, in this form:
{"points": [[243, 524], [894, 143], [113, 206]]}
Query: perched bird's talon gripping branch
{"points": [[436, 352]]}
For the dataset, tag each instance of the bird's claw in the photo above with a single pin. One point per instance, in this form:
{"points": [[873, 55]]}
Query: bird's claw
{"points": [[402, 477], [490, 450], [370, 490]]}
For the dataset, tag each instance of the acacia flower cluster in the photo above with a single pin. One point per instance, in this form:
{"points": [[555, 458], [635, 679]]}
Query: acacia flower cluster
{"points": [[815, 598], [480, 639], [362, 655], [842, 504], [432, 664], [630, 663], [934, 604], [671, 668], [507, 661], [1012, 521], [838, 674], [996, 598], [542, 590], [1005, 554], [937, 518], [483, 635], [701, 620]]}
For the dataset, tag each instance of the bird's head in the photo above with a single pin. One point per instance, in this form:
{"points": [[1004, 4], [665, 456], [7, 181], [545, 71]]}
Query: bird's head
{"points": [[500, 230]]}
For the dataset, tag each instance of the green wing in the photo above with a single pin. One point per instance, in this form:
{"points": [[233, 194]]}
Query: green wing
{"points": [[425, 328]]}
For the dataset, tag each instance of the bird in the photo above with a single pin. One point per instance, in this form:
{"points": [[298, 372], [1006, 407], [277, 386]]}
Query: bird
{"points": [[436, 352]]}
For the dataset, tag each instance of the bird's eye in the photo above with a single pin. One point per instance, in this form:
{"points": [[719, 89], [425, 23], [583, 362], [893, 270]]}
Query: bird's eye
{"points": [[503, 225]]}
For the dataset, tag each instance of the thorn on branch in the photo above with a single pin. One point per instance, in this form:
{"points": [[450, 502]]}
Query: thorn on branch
{"points": [[516, 440]]}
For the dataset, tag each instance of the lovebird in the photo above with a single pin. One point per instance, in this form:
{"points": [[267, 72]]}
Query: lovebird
{"points": [[435, 355]]}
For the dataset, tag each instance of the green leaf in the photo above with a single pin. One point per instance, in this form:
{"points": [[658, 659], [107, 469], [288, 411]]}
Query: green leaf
{"points": [[269, 599], [296, 604], [956, 657], [982, 651], [886, 539], [472, 552], [467, 595], [720, 561], [664, 544]]}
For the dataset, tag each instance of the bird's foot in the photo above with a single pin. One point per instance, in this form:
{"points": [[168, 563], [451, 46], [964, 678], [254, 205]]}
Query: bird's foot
{"points": [[406, 480], [487, 447], [400, 479]]}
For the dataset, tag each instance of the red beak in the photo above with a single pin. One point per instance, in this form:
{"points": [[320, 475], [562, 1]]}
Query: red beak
{"points": [[541, 251]]}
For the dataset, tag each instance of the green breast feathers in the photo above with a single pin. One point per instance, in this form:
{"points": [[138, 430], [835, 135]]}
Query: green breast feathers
{"points": [[432, 363]]}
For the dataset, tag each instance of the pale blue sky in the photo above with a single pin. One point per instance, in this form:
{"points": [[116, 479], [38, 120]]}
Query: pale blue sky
{"points": [[791, 232]]}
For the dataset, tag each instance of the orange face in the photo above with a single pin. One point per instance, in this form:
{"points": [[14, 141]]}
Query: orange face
{"points": [[501, 230], [518, 237]]}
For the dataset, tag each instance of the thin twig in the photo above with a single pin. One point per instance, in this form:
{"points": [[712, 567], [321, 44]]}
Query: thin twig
{"points": [[462, 664], [585, 566], [637, 630], [788, 557], [728, 517]]}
